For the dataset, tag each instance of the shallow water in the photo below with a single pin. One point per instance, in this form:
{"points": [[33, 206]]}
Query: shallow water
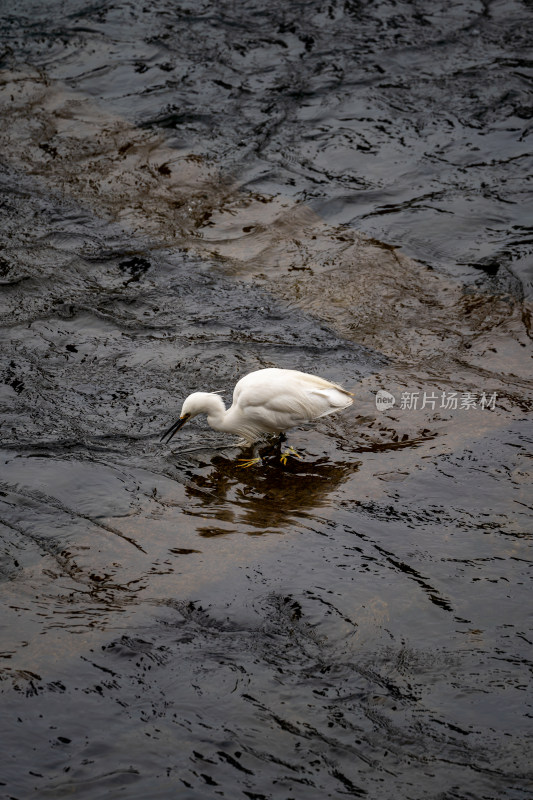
{"points": [[192, 192]]}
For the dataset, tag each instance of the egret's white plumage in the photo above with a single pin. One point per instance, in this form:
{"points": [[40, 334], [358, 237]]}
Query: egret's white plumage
{"points": [[266, 401]]}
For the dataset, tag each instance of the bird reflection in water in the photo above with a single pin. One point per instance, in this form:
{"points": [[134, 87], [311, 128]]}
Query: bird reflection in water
{"points": [[265, 499]]}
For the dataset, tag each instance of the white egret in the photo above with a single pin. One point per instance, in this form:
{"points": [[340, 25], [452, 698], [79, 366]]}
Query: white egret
{"points": [[266, 401]]}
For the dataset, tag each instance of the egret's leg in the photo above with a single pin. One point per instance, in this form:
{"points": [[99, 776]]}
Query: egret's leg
{"points": [[279, 441], [249, 462], [278, 454], [290, 451]]}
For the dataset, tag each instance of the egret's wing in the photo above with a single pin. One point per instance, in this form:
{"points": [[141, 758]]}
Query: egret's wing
{"points": [[334, 399], [285, 398], [314, 382], [290, 406]]}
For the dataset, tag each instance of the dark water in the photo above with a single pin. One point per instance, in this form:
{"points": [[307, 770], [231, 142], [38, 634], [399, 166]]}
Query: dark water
{"points": [[193, 191]]}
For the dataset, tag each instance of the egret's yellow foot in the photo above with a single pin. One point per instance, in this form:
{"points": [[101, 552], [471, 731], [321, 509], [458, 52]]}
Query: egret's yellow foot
{"points": [[249, 462], [289, 452]]}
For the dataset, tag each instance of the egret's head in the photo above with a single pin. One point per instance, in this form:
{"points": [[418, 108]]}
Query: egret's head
{"points": [[196, 403]]}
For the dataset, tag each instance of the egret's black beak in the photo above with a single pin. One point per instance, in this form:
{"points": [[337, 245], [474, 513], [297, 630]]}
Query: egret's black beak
{"points": [[174, 428]]}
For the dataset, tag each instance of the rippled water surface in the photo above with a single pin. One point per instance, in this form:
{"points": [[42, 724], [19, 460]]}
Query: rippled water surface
{"points": [[191, 191]]}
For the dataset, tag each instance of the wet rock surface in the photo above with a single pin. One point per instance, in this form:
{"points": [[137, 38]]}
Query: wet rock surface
{"points": [[192, 193]]}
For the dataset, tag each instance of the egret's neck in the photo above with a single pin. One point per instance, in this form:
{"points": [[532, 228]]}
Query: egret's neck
{"points": [[216, 411]]}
